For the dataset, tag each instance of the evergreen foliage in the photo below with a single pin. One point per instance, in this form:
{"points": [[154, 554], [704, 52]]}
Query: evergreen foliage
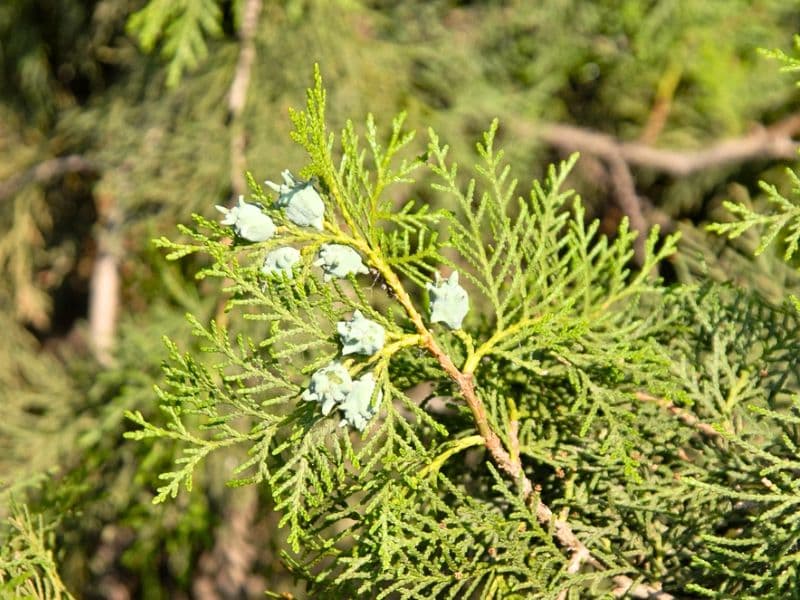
{"points": [[659, 422], [759, 558], [27, 567], [786, 219], [184, 26], [568, 373]]}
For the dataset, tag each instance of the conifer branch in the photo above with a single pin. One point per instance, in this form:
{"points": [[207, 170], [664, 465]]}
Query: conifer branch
{"points": [[311, 132], [512, 466], [510, 463], [680, 413], [486, 348], [237, 96], [773, 142], [466, 384], [46, 171], [27, 565], [543, 272]]}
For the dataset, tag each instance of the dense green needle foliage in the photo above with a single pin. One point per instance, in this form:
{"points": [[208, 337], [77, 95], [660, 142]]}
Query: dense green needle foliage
{"points": [[549, 298], [785, 220], [27, 566], [586, 430], [184, 24], [575, 383]]}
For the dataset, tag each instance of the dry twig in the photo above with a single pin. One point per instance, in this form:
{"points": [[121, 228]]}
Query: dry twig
{"points": [[46, 171], [237, 97], [774, 142], [104, 285], [680, 413]]}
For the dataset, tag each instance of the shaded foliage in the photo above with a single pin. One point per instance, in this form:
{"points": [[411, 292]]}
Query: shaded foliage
{"points": [[675, 74]]}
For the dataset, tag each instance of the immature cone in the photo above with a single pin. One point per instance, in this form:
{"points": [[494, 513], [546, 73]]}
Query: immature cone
{"points": [[449, 301], [339, 261], [248, 221], [329, 386], [357, 406], [281, 260], [360, 335], [303, 205]]}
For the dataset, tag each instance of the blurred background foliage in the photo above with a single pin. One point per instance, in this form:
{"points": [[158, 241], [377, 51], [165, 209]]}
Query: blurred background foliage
{"points": [[115, 125]]}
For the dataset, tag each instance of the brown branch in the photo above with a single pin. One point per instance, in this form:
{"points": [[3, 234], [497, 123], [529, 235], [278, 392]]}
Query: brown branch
{"points": [[662, 103], [774, 142], [104, 305], [680, 413], [619, 176], [237, 96], [625, 188], [104, 284], [46, 171]]}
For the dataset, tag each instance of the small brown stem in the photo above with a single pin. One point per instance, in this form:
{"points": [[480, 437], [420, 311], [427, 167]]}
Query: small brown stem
{"points": [[104, 286], [773, 142], [662, 103], [237, 97], [513, 433], [46, 171], [680, 413]]}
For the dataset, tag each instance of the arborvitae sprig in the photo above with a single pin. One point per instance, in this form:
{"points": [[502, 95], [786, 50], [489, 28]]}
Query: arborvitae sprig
{"points": [[182, 27], [740, 364], [548, 357], [786, 218], [791, 64], [27, 566], [785, 221], [555, 290], [752, 552]]}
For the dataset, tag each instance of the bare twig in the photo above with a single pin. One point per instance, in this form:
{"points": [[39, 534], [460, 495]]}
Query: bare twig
{"points": [[237, 97], [680, 413], [46, 171], [104, 285], [104, 305], [625, 188], [774, 142], [618, 175]]}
